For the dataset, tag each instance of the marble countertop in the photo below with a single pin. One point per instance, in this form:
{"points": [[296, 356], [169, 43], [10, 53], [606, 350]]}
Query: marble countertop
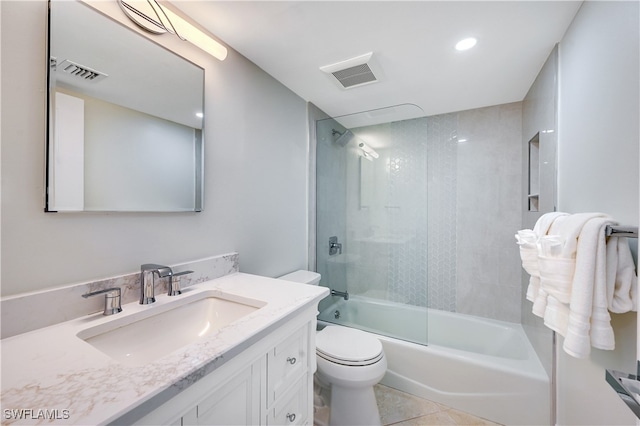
{"points": [[51, 372]]}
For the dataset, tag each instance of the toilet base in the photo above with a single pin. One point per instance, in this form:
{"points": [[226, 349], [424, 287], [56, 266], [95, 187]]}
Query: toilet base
{"points": [[352, 406], [321, 400]]}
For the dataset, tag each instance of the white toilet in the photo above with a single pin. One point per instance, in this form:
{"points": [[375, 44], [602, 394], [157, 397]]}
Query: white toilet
{"points": [[351, 362]]}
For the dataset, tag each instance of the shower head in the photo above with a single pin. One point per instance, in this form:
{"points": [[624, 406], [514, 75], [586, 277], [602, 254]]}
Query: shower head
{"points": [[344, 138]]}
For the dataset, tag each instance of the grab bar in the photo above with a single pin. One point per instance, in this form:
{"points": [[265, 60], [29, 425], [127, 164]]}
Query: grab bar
{"points": [[621, 231]]}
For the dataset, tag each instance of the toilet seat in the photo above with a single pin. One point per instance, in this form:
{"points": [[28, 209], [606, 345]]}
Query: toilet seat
{"points": [[346, 346]]}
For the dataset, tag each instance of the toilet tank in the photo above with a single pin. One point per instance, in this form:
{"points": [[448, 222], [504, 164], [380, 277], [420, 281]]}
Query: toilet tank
{"points": [[302, 276]]}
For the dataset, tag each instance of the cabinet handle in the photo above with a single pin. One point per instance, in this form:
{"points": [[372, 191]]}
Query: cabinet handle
{"points": [[291, 417], [292, 360]]}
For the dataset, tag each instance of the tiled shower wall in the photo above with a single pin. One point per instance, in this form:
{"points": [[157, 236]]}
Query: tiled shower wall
{"points": [[431, 221], [442, 185], [489, 212], [405, 237]]}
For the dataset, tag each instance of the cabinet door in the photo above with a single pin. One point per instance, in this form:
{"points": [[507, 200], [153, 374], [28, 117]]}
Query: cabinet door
{"points": [[286, 362], [293, 408], [237, 402]]}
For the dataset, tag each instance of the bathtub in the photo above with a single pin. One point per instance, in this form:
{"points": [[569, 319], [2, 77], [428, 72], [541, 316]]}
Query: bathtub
{"points": [[484, 367]]}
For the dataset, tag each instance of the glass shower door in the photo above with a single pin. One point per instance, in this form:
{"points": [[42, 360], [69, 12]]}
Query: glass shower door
{"points": [[372, 227]]}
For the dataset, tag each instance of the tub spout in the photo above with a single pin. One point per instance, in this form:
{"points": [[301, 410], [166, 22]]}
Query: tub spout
{"points": [[344, 294]]}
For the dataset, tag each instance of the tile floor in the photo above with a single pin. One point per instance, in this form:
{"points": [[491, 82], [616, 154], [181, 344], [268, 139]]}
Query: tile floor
{"points": [[399, 408]]}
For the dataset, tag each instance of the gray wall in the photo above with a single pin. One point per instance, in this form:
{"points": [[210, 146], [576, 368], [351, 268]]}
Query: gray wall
{"points": [[256, 144], [598, 171]]}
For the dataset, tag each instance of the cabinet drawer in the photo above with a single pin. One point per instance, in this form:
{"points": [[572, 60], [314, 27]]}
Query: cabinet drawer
{"points": [[293, 409], [286, 363]]}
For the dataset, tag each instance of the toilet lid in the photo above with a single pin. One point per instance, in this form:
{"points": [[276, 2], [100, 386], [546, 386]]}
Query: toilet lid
{"points": [[348, 346]]}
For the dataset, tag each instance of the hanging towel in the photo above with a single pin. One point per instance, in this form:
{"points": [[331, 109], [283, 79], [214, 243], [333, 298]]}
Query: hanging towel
{"points": [[589, 322], [579, 277], [556, 272], [622, 281]]}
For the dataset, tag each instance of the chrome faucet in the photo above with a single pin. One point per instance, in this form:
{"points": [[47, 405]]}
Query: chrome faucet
{"points": [[147, 280], [343, 294]]}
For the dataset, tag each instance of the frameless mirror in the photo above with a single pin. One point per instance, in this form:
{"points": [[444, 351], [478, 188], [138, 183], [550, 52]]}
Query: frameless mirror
{"points": [[125, 118]]}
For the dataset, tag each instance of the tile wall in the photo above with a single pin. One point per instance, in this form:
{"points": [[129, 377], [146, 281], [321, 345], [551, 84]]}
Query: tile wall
{"points": [[431, 221]]}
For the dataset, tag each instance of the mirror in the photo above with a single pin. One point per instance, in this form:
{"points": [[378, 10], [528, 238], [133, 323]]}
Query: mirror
{"points": [[125, 118]]}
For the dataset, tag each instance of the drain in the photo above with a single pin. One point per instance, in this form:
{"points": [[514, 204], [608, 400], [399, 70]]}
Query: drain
{"points": [[336, 314]]}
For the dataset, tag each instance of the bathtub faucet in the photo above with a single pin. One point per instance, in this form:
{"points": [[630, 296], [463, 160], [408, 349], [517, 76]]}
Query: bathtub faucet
{"points": [[344, 294]]}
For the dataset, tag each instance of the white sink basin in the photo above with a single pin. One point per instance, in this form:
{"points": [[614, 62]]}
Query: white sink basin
{"points": [[149, 335]]}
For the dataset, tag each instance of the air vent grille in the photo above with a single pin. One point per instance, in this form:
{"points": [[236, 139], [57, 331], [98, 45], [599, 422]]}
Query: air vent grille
{"points": [[355, 76], [353, 72], [80, 71]]}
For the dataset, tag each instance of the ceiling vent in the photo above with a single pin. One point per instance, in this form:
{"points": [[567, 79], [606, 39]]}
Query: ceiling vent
{"points": [[80, 71], [353, 72]]}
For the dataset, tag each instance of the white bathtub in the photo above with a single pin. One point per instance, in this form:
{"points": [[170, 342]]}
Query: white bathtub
{"points": [[484, 367]]}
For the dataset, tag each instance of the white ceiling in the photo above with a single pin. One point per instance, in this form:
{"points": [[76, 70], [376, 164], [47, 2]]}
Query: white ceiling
{"points": [[412, 44]]}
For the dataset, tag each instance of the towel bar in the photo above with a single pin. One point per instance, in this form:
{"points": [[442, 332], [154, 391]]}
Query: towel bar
{"points": [[622, 231]]}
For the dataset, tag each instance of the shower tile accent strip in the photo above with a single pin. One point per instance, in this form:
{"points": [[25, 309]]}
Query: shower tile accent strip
{"points": [[30, 311]]}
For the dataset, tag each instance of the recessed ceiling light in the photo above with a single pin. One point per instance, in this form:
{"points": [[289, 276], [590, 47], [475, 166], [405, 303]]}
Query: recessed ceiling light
{"points": [[467, 43], [199, 114]]}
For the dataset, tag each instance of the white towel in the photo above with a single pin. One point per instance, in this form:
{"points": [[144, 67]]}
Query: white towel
{"points": [[579, 277], [544, 223], [622, 281], [589, 323], [529, 256], [557, 273]]}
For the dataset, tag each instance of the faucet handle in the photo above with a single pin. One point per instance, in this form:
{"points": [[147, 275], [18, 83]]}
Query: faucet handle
{"points": [[174, 283], [112, 300]]}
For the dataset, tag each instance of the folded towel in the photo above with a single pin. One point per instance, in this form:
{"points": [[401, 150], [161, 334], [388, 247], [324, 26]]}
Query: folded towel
{"points": [[578, 275], [556, 276], [557, 272], [528, 241]]}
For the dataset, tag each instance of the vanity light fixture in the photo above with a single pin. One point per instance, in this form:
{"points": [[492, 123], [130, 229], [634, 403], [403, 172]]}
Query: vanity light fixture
{"points": [[154, 18], [466, 43]]}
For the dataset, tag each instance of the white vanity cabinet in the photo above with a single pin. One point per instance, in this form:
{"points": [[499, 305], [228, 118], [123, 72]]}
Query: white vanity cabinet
{"points": [[233, 403], [269, 383]]}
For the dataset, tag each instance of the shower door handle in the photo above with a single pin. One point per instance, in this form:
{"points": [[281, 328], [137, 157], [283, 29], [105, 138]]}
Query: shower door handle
{"points": [[334, 246]]}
